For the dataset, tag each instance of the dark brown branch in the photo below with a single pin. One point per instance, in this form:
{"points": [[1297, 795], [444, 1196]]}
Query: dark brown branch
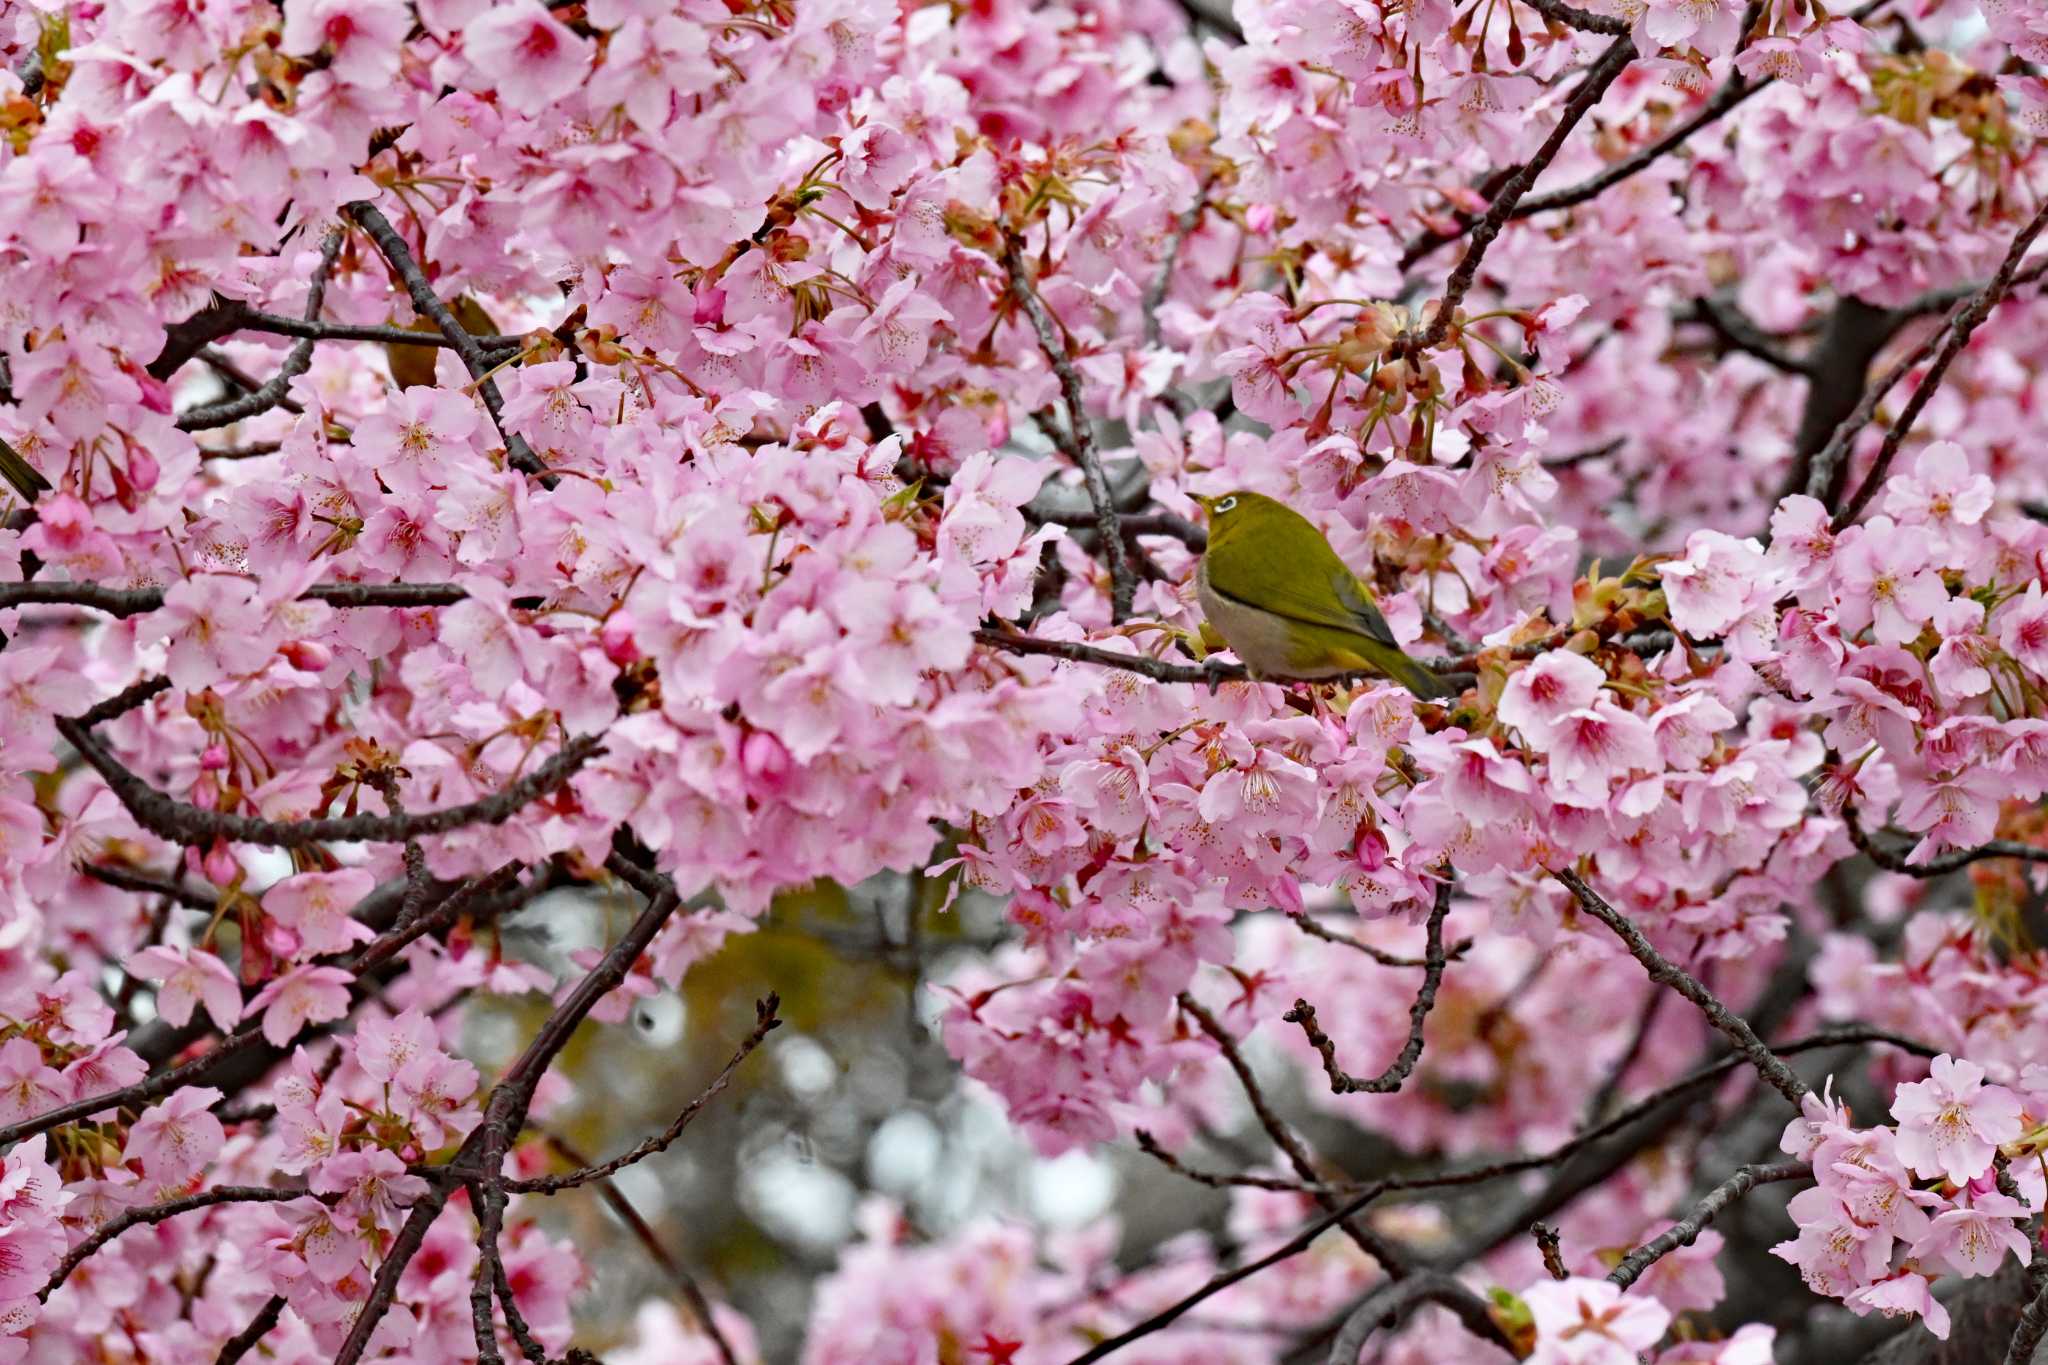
{"points": [[1610, 65], [343, 331], [1149, 1145], [384, 1288], [157, 1213], [181, 823], [1294, 1246], [129, 879], [1738, 332], [1667, 973], [684, 1281], [1080, 431], [124, 602], [1687, 1230], [480, 1161], [1895, 861], [1315, 929], [1398, 1071], [428, 304], [244, 1341], [1386, 1303], [1390, 1258], [183, 340], [765, 1023], [245, 1037], [2033, 1324], [269, 394], [1954, 336]]}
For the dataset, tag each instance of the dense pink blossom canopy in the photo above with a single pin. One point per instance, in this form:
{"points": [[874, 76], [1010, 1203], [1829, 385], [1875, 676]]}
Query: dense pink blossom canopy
{"points": [[693, 450]]}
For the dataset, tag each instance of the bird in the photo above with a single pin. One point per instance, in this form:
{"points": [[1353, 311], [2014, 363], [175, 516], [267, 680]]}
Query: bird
{"points": [[413, 366], [1287, 606]]}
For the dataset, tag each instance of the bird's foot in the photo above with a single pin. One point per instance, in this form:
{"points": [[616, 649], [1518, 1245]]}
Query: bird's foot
{"points": [[1218, 671]]}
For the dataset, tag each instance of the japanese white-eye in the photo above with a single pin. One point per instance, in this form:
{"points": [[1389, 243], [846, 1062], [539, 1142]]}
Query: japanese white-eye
{"points": [[1288, 606]]}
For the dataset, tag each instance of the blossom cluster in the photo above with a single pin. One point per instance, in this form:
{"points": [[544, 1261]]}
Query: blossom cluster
{"points": [[752, 444]]}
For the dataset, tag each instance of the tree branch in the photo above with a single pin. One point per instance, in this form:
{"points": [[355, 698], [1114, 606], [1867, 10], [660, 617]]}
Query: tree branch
{"points": [[1687, 1230], [125, 602], [157, 1213], [1080, 429], [1667, 973], [1390, 1258], [1397, 1072], [1610, 65], [428, 304], [181, 823], [1955, 335], [765, 1023], [267, 395]]}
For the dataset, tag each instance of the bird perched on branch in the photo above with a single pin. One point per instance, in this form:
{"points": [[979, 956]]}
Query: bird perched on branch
{"points": [[1288, 606]]}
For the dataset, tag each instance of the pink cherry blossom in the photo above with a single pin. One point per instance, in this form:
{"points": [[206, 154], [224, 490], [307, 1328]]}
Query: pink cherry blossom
{"points": [[1952, 1123]]}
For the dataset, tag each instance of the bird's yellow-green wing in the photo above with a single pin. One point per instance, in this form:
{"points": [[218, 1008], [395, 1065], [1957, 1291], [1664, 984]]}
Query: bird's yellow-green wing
{"points": [[1297, 575]]}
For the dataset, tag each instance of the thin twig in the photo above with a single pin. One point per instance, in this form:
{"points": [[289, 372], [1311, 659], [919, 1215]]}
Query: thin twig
{"points": [[267, 396], [1314, 928], [156, 1213], [182, 823], [1397, 1072], [1390, 1258], [428, 304], [1955, 335], [765, 1023], [685, 1282], [1667, 973], [1080, 430], [1610, 65], [1216, 1284], [1686, 1230]]}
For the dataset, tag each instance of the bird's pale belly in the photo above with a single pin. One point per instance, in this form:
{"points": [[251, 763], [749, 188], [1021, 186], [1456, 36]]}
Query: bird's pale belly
{"points": [[1269, 645]]}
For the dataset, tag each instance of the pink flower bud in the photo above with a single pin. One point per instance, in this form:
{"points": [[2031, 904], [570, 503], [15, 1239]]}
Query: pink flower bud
{"points": [[218, 865], [616, 635], [710, 306], [142, 470], [765, 762], [308, 656], [214, 759]]}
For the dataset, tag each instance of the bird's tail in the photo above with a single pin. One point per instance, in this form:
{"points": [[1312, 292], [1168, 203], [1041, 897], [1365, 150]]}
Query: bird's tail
{"points": [[1426, 685]]}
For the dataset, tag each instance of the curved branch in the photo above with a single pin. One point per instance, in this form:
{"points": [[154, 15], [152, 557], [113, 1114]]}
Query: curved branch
{"points": [[1893, 861], [428, 304], [1955, 335], [157, 1213], [1687, 1230], [1398, 1071], [1667, 973], [1080, 432], [268, 395], [765, 1023], [1610, 65], [181, 823]]}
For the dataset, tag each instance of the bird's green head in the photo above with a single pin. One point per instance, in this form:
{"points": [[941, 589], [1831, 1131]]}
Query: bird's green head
{"points": [[1244, 512]]}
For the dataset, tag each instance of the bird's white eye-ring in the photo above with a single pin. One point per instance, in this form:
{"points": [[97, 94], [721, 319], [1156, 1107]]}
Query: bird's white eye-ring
{"points": [[1226, 504]]}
